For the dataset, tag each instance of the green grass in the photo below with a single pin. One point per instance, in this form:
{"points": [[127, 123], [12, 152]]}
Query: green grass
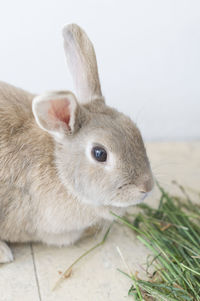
{"points": [[172, 234]]}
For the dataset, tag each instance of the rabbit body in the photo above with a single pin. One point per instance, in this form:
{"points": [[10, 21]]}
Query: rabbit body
{"points": [[66, 162]]}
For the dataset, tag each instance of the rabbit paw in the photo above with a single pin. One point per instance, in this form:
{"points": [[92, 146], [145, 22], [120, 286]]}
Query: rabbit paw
{"points": [[5, 253]]}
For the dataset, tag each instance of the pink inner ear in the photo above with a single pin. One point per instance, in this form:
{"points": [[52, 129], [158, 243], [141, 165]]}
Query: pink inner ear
{"points": [[59, 110]]}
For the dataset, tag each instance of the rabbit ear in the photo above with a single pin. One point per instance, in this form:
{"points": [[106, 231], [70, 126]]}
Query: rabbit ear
{"points": [[56, 113], [82, 63]]}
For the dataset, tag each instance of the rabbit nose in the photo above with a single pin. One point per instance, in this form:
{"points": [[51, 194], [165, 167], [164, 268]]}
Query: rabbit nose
{"points": [[146, 186]]}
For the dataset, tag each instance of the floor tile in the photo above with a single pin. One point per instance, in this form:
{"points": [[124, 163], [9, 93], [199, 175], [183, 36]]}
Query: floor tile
{"points": [[17, 279]]}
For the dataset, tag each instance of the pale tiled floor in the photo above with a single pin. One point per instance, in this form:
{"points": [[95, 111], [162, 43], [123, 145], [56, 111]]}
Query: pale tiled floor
{"points": [[36, 267]]}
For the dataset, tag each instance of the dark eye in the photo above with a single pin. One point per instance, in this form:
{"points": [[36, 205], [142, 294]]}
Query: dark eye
{"points": [[99, 154]]}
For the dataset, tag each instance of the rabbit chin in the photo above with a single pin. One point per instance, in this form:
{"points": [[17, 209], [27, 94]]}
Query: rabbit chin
{"points": [[105, 211], [119, 208], [125, 204]]}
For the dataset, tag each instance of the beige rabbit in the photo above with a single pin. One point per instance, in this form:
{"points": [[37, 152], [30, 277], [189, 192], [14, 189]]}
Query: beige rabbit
{"points": [[66, 162]]}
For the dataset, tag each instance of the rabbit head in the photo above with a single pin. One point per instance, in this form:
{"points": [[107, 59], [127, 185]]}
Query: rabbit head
{"points": [[99, 152]]}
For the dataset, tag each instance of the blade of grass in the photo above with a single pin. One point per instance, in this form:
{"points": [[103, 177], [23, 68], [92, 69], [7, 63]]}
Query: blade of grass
{"points": [[172, 234], [69, 269]]}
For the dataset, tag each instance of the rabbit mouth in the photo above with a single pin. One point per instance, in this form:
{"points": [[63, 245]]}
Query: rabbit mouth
{"points": [[122, 202], [128, 194]]}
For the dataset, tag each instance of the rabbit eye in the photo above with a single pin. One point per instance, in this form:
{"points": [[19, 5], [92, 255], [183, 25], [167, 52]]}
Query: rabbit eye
{"points": [[99, 154]]}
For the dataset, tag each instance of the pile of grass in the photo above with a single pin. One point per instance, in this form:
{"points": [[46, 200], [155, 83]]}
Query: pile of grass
{"points": [[172, 234]]}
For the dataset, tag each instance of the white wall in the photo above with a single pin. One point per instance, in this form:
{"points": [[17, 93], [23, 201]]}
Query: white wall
{"points": [[148, 54]]}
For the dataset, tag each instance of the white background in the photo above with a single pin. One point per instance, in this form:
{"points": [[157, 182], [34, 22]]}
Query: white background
{"points": [[148, 55]]}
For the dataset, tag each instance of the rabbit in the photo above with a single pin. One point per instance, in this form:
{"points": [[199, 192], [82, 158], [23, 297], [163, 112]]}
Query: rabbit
{"points": [[66, 161]]}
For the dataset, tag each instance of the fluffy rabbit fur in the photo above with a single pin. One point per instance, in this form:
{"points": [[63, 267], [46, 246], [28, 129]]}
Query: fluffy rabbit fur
{"points": [[51, 188]]}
